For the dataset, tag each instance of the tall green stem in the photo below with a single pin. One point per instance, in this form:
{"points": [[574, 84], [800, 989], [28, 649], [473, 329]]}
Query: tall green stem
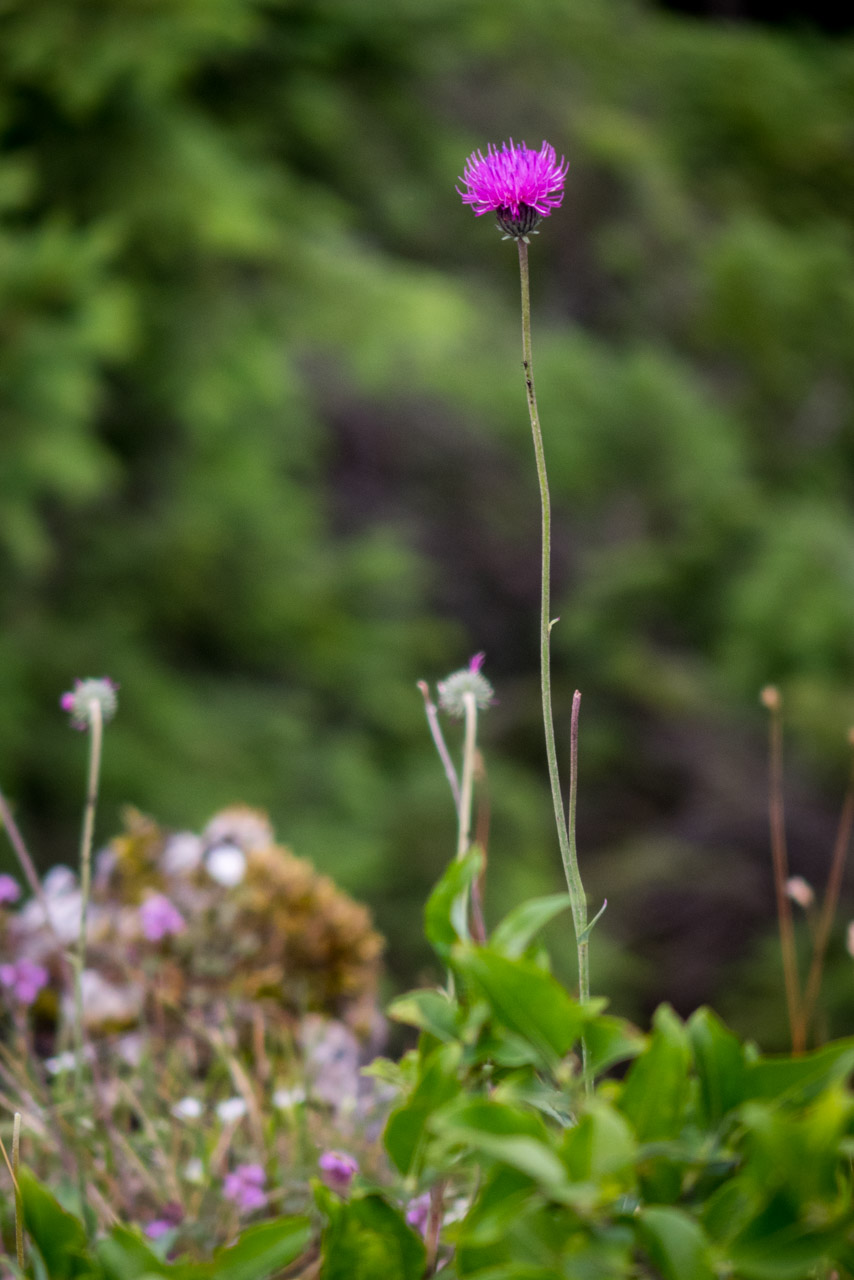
{"points": [[96, 727], [565, 830]]}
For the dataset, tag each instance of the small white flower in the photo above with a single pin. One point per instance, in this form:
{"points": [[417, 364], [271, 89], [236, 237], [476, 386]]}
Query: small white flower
{"points": [[226, 864], [58, 881], [106, 1002], [231, 1110], [287, 1099], [131, 1047], [194, 1171], [187, 1109], [62, 1062]]}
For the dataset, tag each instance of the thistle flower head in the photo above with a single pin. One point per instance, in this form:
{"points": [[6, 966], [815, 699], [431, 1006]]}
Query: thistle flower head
{"points": [[519, 185], [452, 690], [78, 701]]}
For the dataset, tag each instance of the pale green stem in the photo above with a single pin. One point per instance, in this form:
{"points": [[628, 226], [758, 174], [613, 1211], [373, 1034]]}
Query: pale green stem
{"points": [[96, 727], [467, 784], [565, 832], [440, 744]]}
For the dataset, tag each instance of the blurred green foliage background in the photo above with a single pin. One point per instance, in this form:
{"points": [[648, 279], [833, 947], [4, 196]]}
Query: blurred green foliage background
{"points": [[264, 455]]}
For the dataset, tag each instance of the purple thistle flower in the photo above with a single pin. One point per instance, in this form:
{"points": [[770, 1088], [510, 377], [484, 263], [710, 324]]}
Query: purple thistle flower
{"points": [[338, 1169], [24, 979], [518, 185], [159, 918], [10, 890], [77, 702], [245, 1186]]}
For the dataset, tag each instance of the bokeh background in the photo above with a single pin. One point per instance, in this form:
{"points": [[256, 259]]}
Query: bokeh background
{"points": [[265, 459]]}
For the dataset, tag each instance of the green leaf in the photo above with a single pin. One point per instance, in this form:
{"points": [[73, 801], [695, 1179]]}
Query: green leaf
{"points": [[719, 1059], [600, 1145], [520, 925], [610, 1040], [431, 1011], [525, 999], [262, 1250], [367, 1239], [444, 915], [799, 1079], [773, 1247], [526, 1155], [59, 1237], [675, 1243], [516, 1138], [405, 1132], [124, 1255], [655, 1093]]}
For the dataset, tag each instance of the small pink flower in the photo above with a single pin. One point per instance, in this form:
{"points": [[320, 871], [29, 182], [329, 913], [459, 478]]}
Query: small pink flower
{"points": [[519, 185], [24, 980], [160, 918], [158, 1228], [245, 1186], [171, 1216], [10, 890], [800, 891], [338, 1169], [477, 661], [417, 1213]]}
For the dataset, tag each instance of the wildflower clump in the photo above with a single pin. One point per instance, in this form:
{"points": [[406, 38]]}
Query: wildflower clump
{"points": [[234, 914]]}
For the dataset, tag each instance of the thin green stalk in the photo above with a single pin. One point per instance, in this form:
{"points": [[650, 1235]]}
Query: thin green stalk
{"points": [[467, 784], [780, 862], [96, 728], [19, 1207], [828, 910], [440, 744], [565, 831]]}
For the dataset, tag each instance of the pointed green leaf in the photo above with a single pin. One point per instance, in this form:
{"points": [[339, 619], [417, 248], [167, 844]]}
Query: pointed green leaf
{"points": [[675, 1243], [655, 1093], [719, 1058], [59, 1237], [262, 1250], [519, 926], [610, 1040], [405, 1132], [431, 1011], [444, 915], [525, 999], [367, 1239], [802, 1078]]}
